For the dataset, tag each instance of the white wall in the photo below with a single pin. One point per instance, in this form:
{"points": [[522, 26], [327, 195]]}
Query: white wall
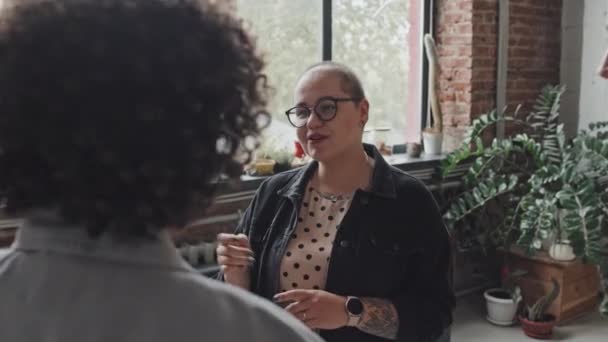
{"points": [[571, 58], [584, 29], [594, 89]]}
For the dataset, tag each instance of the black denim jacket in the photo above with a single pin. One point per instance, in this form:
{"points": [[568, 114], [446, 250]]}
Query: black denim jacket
{"points": [[392, 244]]}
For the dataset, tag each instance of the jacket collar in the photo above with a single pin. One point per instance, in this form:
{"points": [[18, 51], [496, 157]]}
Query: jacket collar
{"points": [[45, 231], [382, 179]]}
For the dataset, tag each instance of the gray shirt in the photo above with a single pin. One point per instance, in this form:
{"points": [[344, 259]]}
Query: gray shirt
{"points": [[57, 285]]}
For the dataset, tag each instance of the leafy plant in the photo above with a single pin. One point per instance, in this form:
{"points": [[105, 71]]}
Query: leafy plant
{"points": [[538, 311], [543, 184]]}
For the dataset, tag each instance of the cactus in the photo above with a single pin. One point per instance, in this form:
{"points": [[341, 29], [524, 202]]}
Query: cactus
{"points": [[431, 54], [537, 311]]}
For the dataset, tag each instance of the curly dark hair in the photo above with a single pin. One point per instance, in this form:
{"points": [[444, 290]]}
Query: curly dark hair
{"points": [[120, 114]]}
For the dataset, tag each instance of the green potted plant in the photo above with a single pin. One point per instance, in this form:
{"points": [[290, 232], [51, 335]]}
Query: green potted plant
{"points": [[534, 185], [535, 321]]}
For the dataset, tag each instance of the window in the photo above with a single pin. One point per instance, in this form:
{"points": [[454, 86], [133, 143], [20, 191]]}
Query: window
{"points": [[380, 39]]}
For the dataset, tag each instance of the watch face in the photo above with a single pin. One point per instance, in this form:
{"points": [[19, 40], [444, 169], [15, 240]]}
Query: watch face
{"points": [[354, 306]]}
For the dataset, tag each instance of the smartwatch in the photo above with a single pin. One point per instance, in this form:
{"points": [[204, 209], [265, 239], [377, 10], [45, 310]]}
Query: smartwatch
{"points": [[354, 310]]}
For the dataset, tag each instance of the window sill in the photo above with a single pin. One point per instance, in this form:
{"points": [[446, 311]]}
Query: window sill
{"points": [[423, 168]]}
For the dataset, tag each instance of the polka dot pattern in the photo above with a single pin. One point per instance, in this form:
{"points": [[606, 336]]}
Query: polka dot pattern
{"points": [[306, 259]]}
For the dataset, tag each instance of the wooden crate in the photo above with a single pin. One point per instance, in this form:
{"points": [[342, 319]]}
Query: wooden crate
{"points": [[580, 283]]}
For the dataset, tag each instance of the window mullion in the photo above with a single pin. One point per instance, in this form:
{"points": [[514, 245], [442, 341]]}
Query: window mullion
{"points": [[326, 32]]}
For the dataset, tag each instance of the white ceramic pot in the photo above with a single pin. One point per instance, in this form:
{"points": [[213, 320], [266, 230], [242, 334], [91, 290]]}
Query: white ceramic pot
{"points": [[432, 143], [562, 251], [501, 311]]}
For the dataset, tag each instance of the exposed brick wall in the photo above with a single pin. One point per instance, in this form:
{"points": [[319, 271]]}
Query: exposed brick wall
{"points": [[485, 54], [467, 33], [453, 34], [534, 48]]}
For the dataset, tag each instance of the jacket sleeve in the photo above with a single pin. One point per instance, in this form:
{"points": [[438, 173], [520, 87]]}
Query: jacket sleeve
{"points": [[425, 304]]}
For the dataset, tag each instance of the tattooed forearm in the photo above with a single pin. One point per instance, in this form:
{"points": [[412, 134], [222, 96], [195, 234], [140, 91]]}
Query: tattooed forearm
{"points": [[380, 318]]}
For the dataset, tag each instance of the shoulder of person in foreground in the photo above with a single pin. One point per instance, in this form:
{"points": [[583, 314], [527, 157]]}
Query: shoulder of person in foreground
{"points": [[229, 308], [5, 254]]}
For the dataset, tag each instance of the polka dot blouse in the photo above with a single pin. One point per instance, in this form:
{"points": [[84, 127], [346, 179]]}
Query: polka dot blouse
{"points": [[304, 265]]}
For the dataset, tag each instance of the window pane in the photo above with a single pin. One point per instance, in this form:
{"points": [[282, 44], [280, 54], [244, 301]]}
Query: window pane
{"points": [[381, 41], [289, 34]]}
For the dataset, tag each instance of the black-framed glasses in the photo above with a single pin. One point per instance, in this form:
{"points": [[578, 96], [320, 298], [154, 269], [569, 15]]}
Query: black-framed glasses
{"points": [[326, 109]]}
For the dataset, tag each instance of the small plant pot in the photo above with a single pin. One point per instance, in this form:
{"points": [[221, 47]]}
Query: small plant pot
{"points": [[562, 251], [542, 330], [432, 143], [413, 150], [264, 167], [500, 306]]}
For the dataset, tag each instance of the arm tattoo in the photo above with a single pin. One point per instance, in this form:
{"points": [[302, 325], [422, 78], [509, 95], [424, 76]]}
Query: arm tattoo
{"points": [[379, 318]]}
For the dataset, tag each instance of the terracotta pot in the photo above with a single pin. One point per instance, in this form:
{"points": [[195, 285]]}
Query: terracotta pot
{"points": [[539, 330]]}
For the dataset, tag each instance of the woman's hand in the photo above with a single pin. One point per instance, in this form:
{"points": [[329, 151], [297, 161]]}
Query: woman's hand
{"points": [[235, 256], [317, 309]]}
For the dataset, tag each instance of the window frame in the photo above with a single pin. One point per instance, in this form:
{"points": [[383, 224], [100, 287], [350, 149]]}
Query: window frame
{"points": [[426, 15]]}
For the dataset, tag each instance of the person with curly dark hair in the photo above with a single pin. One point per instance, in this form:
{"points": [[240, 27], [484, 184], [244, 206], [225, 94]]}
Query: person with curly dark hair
{"points": [[115, 118]]}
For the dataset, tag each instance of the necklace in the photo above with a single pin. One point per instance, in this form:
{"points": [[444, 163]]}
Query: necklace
{"points": [[333, 197], [342, 197]]}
